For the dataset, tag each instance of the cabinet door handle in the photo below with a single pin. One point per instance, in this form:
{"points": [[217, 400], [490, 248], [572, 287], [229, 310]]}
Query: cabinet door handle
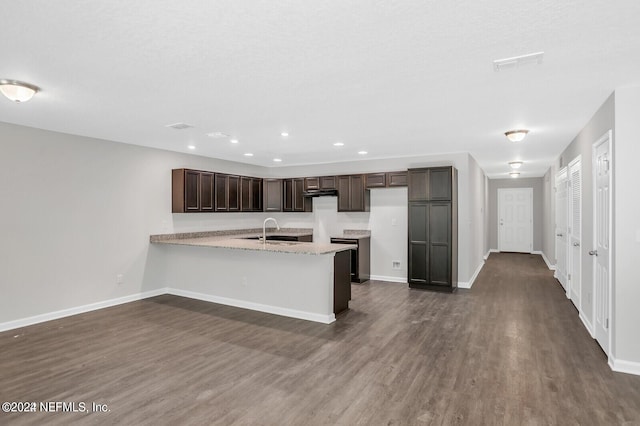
{"points": [[558, 235], [576, 244], [593, 252]]}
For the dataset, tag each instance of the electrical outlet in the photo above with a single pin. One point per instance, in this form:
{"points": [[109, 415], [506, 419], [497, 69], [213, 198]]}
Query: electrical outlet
{"points": [[395, 264], [119, 279]]}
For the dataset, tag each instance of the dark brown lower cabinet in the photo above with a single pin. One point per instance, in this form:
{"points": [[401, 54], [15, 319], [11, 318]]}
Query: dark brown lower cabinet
{"points": [[341, 281], [433, 242]]}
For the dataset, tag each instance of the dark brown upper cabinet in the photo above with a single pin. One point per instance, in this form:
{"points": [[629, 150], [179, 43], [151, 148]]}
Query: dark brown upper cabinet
{"points": [[294, 200], [227, 193], [322, 182], [430, 184], [272, 195], [251, 194], [352, 194], [396, 179], [376, 180], [191, 191]]}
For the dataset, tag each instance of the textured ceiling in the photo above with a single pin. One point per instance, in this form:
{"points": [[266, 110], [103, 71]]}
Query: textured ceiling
{"points": [[394, 78]]}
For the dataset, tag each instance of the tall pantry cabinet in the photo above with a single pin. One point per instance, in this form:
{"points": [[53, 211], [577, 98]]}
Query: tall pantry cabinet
{"points": [[433, 228]]}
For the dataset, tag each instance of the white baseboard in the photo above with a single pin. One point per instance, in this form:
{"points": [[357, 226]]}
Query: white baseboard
{"points": [[549, 265], [389, 279], [23, 322], [309, 316], [468, 284], [622, 366], [587, 324], [486, 256]]}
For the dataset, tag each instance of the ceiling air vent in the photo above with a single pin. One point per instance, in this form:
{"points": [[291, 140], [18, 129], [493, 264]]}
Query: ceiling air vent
{"points": [[517, 61], [179, 126], [217, 135]]}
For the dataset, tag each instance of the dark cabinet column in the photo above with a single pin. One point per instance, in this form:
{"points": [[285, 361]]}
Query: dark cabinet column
{"points": [[433, 230], [344, 194]]}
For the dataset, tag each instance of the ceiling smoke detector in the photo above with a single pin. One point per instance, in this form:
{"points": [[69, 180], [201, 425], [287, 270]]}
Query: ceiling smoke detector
{"points": [[179, 126], [518, 61]]}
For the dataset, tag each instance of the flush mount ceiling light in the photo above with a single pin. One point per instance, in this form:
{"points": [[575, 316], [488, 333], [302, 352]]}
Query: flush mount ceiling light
{"points": [[18, 91], [277, 160], [516, 135], [284, 134], [514, 174], [234, 141], [191, 147], [515, 164], [248, 154], [362, 152], [338, 144]]}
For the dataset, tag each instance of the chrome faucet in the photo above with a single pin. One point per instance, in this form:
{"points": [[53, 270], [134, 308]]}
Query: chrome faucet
{"points": [[264, 228]]}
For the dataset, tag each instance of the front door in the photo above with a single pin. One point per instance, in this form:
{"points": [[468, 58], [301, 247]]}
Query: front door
{"points": [[515, 219], [602, 171]]}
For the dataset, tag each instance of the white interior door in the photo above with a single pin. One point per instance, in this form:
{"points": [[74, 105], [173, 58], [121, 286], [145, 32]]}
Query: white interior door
{"points": [[515, 219], [575, 231], [602, 170], [561, 272]]}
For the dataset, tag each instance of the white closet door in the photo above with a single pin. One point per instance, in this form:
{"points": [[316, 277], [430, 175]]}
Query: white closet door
{"points": [[561, 272], [575, 231], [602, 171]]}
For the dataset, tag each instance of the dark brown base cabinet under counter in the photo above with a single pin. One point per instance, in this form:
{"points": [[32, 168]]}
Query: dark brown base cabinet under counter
{"points": [[433, 228], [360, 257]]}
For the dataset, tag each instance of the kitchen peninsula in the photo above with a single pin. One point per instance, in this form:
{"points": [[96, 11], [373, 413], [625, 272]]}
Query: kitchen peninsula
{"points": [[283, 275]]}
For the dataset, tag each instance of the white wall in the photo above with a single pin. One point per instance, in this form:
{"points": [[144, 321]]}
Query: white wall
{"points": [[78, 211], [477, 213], [626, 152]]}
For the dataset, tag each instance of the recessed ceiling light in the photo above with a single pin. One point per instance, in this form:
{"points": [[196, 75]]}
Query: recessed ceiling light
{"points": [[516, 135], [277, 160], [514, 174], [515, 164], [217, 135], [18, 91], [191, 147], [285, 134], [234, 141], [338, 144], [362, 152], [248, 154]]}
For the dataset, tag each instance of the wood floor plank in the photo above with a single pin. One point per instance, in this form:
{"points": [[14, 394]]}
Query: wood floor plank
{"points": [[510, 351]]}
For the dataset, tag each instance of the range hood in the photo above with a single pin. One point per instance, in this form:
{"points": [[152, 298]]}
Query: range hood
{"points": [[320, 192]]}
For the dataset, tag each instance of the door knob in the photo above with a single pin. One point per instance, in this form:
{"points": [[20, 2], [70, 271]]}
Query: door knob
{"points": [[558, 235], [576, 244], [593, 252]]}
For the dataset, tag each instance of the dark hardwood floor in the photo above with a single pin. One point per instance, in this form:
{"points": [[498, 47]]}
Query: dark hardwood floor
{"points": [[510, 351]]}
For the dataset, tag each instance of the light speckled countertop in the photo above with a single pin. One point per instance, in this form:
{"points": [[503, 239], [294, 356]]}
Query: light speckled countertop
{"points": [[354, 234], [237, 239]]}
